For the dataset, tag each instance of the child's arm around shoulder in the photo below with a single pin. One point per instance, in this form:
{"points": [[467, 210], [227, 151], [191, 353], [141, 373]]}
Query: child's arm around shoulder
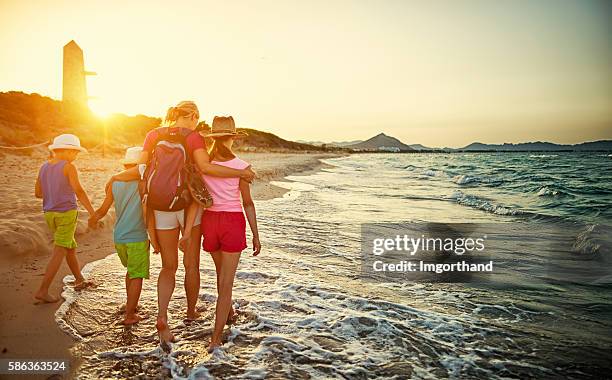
{"points": [[131, 174], [249, 210], [70, 171], [202, 161]]}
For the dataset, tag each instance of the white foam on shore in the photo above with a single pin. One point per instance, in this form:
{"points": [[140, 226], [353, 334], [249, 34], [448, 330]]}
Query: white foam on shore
{"points": [[70, 295], [295, 188]]}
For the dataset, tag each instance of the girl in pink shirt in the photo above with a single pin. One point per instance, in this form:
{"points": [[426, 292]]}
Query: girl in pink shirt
{"points": [[223, 224]]}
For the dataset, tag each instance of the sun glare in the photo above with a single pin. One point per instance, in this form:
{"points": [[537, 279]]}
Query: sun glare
{"points": [[100, 108]]}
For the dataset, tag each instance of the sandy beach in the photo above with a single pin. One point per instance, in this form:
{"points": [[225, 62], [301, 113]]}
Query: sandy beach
{"points": [[433, 197], [30, 331]]}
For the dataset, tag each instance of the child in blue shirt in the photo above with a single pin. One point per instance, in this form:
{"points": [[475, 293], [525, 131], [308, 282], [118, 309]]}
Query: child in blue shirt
{"points": [[130, 234]]}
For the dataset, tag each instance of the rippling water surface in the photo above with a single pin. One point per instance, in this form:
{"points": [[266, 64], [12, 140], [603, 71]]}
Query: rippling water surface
{"points": [[305, 312]]}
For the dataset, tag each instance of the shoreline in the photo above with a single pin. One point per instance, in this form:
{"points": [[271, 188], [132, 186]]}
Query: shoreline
{"points": [[30, 331]]}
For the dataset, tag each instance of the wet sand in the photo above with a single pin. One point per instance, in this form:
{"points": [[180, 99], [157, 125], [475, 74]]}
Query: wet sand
{"points": [[30, 331]]}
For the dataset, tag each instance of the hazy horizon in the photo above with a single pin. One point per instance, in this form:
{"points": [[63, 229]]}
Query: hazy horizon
{"points": [[443, 73], [446, 146]]}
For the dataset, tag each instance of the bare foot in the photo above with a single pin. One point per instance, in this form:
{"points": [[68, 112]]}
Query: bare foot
{"points": [[165, 335], [213, 345], [193, 315], [45, 298], [81, 285], [132, 319]]}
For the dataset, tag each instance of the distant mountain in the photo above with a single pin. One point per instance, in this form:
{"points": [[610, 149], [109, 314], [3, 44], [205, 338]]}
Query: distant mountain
{"points": [[343, 144], [339, 144], [349, 144], [420, 147], [392, 144], [387, 141], [539, 146], [594, 145], [381, 142], [318, 143]]}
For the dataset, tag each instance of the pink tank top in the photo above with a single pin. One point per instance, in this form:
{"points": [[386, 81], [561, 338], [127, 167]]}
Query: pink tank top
{"points": [[226, 191]]}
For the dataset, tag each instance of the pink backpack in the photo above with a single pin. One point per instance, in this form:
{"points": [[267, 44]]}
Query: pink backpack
{"points": [[164, 182]]}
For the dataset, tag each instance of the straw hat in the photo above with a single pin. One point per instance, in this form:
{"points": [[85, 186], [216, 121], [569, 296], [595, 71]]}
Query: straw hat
{"points": [[224, 126], [132, 155], [67, 141]]}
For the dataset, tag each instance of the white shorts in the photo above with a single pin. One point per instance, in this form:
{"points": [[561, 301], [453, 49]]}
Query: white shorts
{"points": [[169, 220]]}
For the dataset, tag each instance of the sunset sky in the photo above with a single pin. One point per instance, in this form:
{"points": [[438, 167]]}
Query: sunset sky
{"points": [[439, 73]]}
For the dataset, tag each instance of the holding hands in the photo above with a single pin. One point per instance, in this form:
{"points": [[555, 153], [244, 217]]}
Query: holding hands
{"points": [[96, 215], [92, 222]]}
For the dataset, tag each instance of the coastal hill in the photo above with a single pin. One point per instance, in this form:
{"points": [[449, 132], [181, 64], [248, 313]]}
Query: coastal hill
{"points": [[372, 143], [336, 144], [30, 119], [259, 140], [393, 144], [381, 142]]}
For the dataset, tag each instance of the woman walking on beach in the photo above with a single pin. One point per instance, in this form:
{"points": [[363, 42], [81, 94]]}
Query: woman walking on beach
{"points": [[161, 148], [223, 224]]}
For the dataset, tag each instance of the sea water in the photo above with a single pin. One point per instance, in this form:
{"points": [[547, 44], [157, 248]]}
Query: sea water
{"points": [[305, 311]]}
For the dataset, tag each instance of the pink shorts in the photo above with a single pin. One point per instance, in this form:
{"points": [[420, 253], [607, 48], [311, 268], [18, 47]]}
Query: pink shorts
{"points": [[223, 231]]}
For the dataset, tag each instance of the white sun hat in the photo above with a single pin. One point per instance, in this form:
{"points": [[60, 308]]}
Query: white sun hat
{"points": [[67, 141], [132, 155]]}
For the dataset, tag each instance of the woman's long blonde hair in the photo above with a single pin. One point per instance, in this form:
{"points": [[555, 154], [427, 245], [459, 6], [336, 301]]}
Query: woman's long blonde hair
{"points": [[186, 108]]}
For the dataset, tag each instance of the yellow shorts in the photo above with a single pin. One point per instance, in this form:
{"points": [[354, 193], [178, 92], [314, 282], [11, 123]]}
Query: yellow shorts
{"points": [[63, 226], [135, 257]]}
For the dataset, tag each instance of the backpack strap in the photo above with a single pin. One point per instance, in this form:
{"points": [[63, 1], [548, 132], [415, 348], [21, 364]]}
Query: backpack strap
{"points": [[178, 135], [162, 134]]}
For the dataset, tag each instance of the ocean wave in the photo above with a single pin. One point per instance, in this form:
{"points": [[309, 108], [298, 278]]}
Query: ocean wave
{"points": [[483, 204], [465, 179], [547, 192], [542, 155], [434, 173], [470, 179], [593, 241]]}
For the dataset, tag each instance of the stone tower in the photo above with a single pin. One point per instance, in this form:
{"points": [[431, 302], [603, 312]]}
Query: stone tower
{"points": [[74, 88]]}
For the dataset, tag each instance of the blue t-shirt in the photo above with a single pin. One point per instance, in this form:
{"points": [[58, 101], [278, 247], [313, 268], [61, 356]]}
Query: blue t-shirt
{"points": [[129, 224]]}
